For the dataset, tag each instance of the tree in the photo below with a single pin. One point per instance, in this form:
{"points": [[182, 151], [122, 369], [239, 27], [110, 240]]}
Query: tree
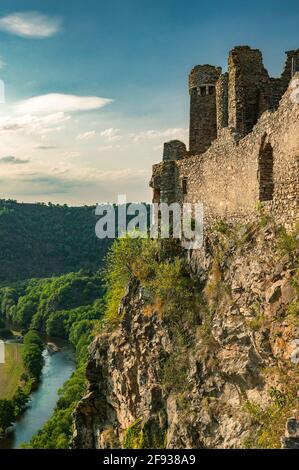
{"points": [[25, 311], [32, 354], [6, 414], [5, 333], [33, 360]]}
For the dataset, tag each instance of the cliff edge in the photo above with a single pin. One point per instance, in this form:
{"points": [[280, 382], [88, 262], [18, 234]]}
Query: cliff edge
{"points": [[217, 369]]}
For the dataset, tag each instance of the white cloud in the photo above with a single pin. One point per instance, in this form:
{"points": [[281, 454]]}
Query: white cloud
{"points": [[34, 124], [71, 154], [57, 102], [86, 135], [73, 176], [30, 24], [107, 148], [111, 134], [152, 134]]}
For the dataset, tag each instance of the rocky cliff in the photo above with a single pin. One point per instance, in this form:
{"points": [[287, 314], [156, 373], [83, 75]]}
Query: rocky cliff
{"points": [[224, 377]]}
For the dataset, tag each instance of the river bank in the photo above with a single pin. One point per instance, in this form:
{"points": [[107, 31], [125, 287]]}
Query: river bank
{"points": [[57, 369]]}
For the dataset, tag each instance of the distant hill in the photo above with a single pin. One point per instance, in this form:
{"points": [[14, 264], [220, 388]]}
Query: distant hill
{"points": [[39, 240]]}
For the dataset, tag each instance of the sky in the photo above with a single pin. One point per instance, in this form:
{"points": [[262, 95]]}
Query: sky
{"points": [[93, 88]]}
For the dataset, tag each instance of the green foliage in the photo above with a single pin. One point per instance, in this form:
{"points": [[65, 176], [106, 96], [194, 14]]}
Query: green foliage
{"points": [[32, 354], [120, 267], [293, 309], [55, 434], [8, 301], [32, 338], [259, 320], [52, 305], [144, 436], [11, 409], [160, 269], [171, 287], [20, 400], [5, 333], [134, 437], [288, 242], [264, 216], [174, 370], [81, 330], [24, 312], [49, 239], [222, 227], [69, 306], [169, 290], [270, 420], [6, 414]]}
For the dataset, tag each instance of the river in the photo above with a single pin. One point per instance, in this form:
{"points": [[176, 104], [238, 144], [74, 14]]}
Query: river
{"points": [[57, 369]]}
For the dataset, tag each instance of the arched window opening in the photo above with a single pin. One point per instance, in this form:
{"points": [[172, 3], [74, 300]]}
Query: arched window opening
{"points": [[266, 182]]}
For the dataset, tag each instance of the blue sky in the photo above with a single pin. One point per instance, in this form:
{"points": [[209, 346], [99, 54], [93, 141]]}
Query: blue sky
{"points": [[135, 53]]}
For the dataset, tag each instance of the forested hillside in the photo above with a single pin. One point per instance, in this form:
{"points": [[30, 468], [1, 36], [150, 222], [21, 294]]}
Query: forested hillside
{"points": [[52, 306], [38, 240], [69, 307]]}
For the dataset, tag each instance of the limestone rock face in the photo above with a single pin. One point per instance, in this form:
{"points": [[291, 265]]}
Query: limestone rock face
{"points": [[123, 374], [239, 373]]}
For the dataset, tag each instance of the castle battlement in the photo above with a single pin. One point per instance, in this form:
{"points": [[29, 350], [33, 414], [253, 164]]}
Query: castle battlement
{"points": [[243, 141]]}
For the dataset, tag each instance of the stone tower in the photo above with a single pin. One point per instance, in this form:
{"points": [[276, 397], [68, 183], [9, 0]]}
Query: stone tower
{"points": [[247, 78], [203, 120]]}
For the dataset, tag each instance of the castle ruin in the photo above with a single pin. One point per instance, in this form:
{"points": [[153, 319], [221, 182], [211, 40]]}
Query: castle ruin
{"points": [[243, 141]]}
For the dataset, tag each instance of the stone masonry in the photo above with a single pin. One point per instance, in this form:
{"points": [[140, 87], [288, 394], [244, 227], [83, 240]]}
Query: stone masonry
{"points": [[244, 141]]}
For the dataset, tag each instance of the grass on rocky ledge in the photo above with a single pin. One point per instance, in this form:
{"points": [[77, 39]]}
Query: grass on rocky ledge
{"points": [[138, 436], [270, 421]]}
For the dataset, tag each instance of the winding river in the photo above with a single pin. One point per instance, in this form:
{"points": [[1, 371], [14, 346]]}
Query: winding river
{"points": [[57, 369]]}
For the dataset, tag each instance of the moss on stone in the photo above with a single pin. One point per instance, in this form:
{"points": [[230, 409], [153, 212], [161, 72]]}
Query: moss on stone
{"points": [[144, 436]]}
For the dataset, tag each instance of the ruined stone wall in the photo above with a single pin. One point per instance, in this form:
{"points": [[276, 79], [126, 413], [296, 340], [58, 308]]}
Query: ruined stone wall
{"points": [[250, 89], [283, 135], [174, 150], [165, 182], [234, 175], [221, 179], [244, 141], [235, 99], [222, 102], [246, 73]]}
